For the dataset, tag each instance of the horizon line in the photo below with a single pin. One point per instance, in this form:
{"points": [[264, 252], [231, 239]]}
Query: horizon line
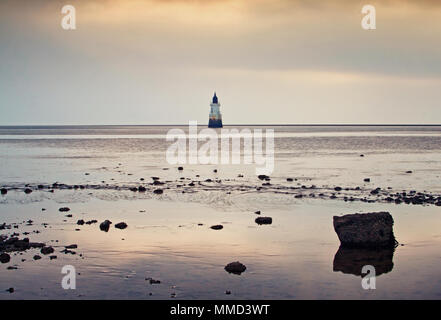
{"points": [[231, 125]]}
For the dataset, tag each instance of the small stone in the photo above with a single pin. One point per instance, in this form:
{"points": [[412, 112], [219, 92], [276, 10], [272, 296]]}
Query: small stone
{"points": [[64, 209], [53, 257], [47, 250], [367, 179], [257, 212], [289, 179], [235, 268], [71, 246], [105, 225], [5, 258], [142, 189], [10, 290], [3, 191], [37, 257], [80, 222], [264, 220], [27, 191], [217, 227], [121, 225], [180, 168], [158, 191], [228, 292]]}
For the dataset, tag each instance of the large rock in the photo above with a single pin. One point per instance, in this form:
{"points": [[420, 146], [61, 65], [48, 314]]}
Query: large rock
{"points": [[368, 230]]}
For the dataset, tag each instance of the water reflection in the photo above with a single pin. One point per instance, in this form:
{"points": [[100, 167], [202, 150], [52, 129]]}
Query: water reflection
{"points": [[351, 261]]}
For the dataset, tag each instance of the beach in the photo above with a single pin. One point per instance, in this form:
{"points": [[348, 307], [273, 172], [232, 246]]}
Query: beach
{"points": [[169, 250]]}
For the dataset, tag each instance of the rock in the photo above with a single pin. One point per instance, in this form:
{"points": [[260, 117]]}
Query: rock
{"points": [[47, 250], [235, 267], [289, 179], [121, 225], [80, 222], [263, 177], [409, 171], [158, 191], [53, 257], [215, 170], [5, 258], [369, 230], [10, 290], [91, 222], [361, 155], [180, 168], [22, 245], [153, 281], [64, 209], [228, 292], [217, 227], [105, 225], [71, 246], [257, 212], [367, 179], [264, 220], [337, 188], [37, 257], [27, 190], [3, 191], [142, 189]]}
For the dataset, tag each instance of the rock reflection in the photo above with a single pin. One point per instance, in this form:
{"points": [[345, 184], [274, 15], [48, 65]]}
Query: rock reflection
{"points": [[351, 260]]}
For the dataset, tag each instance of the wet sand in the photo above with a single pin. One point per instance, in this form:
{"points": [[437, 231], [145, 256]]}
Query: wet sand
{"points": [[170, 240]]}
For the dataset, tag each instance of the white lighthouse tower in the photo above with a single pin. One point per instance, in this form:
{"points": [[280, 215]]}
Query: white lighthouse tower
{"points": [[215, 117]]}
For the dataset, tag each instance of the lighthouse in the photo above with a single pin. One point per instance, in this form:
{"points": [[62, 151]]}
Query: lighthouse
{"points": [[215, 117]]}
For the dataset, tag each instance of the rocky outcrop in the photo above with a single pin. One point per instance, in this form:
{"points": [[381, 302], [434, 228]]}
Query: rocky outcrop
{"points": [[368, 230]]}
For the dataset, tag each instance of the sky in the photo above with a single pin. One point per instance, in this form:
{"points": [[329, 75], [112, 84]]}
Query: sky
{"points": [[270, 62]]}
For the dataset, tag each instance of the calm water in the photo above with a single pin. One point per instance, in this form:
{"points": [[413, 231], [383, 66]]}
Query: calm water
{"points": [[295, 257]]}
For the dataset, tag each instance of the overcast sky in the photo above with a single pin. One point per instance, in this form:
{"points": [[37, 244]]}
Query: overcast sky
{"points": [[270, 61]]}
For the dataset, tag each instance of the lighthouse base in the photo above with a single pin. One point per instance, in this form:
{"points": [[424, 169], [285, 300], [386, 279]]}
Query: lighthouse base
{"points": [[214, 123]]}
